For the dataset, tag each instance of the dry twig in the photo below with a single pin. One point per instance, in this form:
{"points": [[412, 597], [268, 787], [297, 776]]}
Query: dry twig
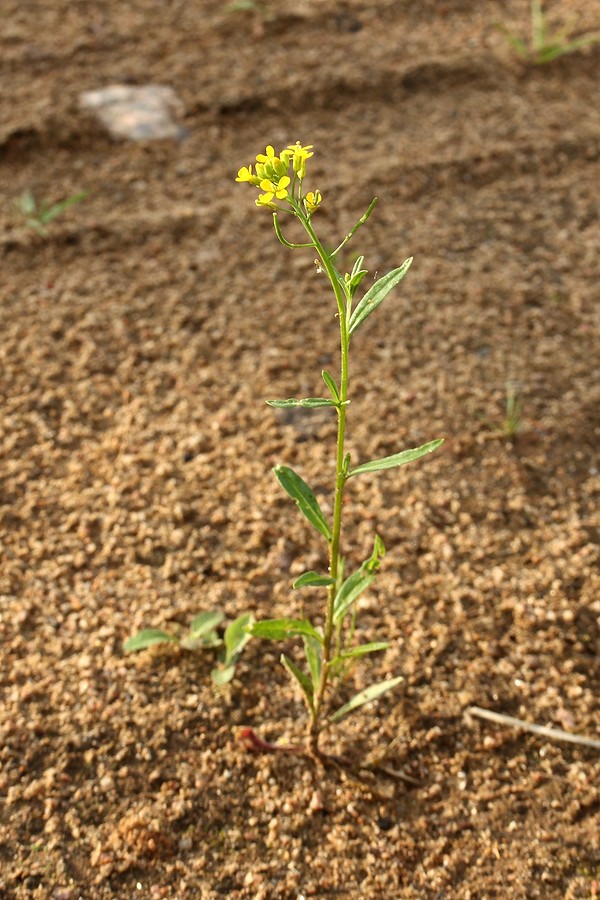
{"points": [[555, 734]]}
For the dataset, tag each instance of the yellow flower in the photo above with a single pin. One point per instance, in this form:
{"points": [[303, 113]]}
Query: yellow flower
{"points": [[312, 200], [273, 189], [245, 174], [300, 155], [266, 200], [271, 166], [269, 157]]}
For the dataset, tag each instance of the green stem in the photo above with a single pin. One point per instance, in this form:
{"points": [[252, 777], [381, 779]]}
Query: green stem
{"points": [[360, 222], [340, 479]]}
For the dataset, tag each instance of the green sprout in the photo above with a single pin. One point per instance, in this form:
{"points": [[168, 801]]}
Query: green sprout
{"points": [[203, 635], [330, 648], [38, 216], [545, 46], [259, 8], [512, 423]]}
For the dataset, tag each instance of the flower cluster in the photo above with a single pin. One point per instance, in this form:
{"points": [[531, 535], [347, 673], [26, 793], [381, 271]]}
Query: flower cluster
{"points": [[271, 176]]}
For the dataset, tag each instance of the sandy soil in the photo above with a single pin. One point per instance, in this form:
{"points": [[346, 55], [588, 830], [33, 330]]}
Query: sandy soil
{"points": [[138, 343]]}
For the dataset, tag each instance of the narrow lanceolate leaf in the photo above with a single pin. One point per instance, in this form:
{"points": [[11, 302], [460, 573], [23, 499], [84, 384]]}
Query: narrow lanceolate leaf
{"points": [[304, 497], [147, 638], [329, 381], [351, 589], [312, 579], [314, 656], [279, 629], [364, 648], [366, 696], [307, 403], [376, 294], [397, 459], [302, 679], [237, 636]]}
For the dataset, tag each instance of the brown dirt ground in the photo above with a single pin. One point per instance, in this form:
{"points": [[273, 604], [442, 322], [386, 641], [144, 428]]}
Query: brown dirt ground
{"points": [[138, 343]]}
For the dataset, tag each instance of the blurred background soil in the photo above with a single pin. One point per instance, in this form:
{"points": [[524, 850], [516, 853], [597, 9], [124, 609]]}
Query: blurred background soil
{"points": [[138, 342]]}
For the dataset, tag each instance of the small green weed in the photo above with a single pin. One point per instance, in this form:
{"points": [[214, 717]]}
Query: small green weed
{"points": [[543, 45], [259, 8], [203, 635], [512, 423], [39, 215]]}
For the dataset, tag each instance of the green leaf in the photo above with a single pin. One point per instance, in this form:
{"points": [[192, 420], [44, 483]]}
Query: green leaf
{"points": [[207, 641], [205, 622], [356, 276], [376, 294], [222, 676], [312, 579], [202, 631], [27, 204], [302, 679], [351, 589], [398, 459], [313, 652], [147, 638], [280, 629], [366, 696], [364, 648], [47, 215], [330, 383], [372, 564], [304, 497], [236, 637], [308, 403]]}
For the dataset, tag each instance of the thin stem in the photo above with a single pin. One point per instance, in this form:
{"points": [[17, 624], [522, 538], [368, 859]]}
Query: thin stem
{"points": [[340, 480], [360, 222], [283, 240]]}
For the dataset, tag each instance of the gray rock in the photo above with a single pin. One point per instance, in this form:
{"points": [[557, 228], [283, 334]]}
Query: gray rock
{"points": [[136, 113]]}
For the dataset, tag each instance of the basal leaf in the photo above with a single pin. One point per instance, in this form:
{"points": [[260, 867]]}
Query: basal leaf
{"points": [[376, 294], [366, 696], [397, 459], [307, 403], [237, 636], [304, 497], [302, 679], [147, 638], [280, 629], [205, 622], [312, 579], [350, 590]]}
